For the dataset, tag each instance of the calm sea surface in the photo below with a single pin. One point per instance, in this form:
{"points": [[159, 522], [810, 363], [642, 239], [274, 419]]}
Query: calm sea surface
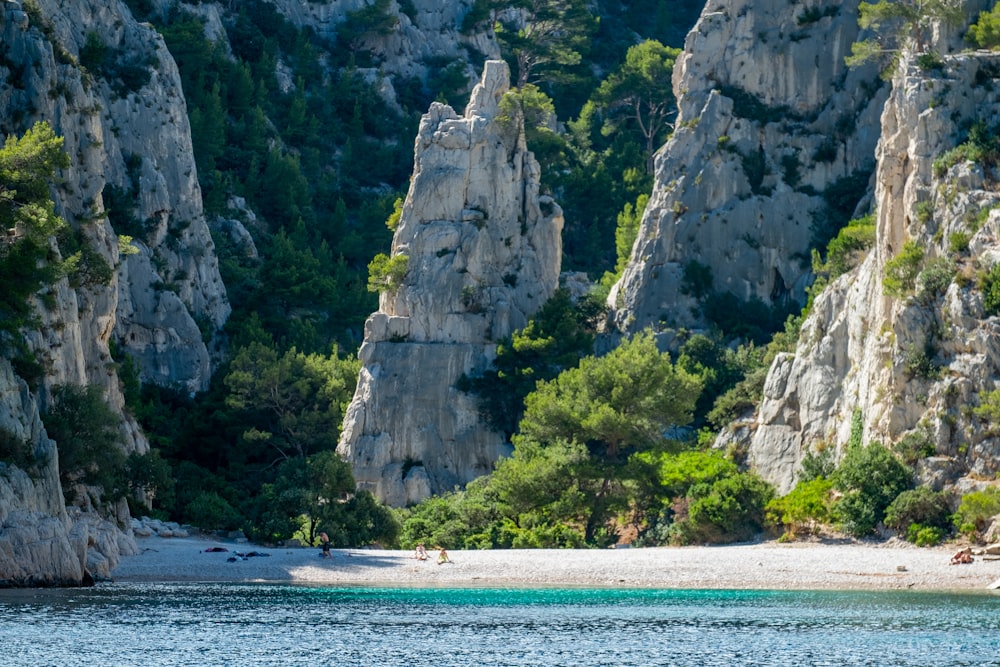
{"points": [[258, 624]]}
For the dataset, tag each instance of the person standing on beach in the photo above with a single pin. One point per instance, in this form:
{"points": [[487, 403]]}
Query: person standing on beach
{"points": [[325, 541]]}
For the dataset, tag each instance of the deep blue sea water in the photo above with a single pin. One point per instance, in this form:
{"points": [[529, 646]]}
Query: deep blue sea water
{"points": [[260, 624]]}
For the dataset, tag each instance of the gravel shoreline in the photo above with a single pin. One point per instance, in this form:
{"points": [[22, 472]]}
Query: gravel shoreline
{"points": [[767, 566]]}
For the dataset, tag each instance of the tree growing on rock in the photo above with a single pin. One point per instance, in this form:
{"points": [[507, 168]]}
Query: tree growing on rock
{"points": [[898, 25], [540, 37], [641, 94], [28, 220]]}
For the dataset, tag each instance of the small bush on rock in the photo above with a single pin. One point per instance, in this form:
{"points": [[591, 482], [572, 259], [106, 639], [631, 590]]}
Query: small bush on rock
{"points": [[901, 271]]}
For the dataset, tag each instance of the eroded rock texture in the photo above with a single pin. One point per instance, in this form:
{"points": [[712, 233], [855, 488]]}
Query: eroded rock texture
{"points": [[915, 366], [483, 252], [770, 119]]}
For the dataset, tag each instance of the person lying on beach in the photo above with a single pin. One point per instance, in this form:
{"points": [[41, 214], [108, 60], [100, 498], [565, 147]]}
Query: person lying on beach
{"points": [[962, 557], [420, 553], [443, 556]]}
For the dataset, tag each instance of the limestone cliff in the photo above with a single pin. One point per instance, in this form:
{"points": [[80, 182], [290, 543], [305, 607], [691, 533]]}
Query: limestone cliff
{"points": [[427, 35], [483, 251], [770, 119], [914, 367], [126, 132]]}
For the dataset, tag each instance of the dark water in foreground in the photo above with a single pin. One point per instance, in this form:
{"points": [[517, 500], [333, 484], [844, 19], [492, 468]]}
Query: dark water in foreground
{"points": [[259, 624]]}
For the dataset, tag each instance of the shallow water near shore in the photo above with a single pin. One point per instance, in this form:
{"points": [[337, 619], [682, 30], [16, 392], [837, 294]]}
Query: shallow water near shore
{"points": [[267, 624]]}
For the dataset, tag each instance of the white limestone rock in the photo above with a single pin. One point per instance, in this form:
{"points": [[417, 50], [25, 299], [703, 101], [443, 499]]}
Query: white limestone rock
{"points": [[483, 252], [769, 118], [137, 140], [857, 347], [421, 40]]}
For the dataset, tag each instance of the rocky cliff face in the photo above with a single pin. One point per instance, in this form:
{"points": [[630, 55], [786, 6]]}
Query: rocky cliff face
{"points": [[427, 37], [914, 367], [770, 119], [126, 132], [483, 251]]}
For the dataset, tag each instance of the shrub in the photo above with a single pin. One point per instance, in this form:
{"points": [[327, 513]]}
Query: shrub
{"points": [[976, 510], [901, 271], [846, 250], [386, 274], [15, 451], [985, 32], [392, 222], [739, 400], [958, 242], [925, 536], [981, 147], [697, 280], [933, 281], [870, 479], [210, 511], [914, 446], [123, 73], [918, 360], [729, 510], [790, 167], [930, 61], [806, 506], [989, 283], [755, 168], [436, 520], [920, 507], [818, 464], [988, 409]]}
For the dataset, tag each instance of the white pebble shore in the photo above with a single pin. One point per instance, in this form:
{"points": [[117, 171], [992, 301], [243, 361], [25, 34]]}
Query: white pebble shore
{"points": [[765, 565]]}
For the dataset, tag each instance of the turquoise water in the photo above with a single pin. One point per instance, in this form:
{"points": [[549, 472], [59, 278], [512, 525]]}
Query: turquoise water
{"points": [[258, 624]]}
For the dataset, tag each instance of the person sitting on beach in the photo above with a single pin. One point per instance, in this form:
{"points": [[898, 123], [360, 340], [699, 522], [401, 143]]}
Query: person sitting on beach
{"points": [[443, 556], [420, 553], [325, 541]]}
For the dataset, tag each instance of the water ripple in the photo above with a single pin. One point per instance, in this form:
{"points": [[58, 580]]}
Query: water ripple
{"points": [[236, 624]]}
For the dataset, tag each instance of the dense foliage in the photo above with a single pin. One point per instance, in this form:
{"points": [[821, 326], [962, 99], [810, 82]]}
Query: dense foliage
{"points": [[870, 479], [598, 454]]}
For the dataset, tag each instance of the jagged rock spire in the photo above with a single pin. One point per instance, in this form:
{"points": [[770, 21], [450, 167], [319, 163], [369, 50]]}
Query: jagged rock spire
{"points": [[483, 249]]}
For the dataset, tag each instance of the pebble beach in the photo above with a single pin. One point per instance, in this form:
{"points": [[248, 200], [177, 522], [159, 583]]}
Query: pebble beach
{"points": [[767, 565]]}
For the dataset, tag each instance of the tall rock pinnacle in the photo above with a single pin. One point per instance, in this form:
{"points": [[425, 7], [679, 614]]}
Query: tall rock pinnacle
{"points": [[483, 254]]}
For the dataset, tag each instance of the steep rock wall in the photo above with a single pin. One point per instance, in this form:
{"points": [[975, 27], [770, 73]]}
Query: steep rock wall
{"points": [[133, 136], [484, 254], [859, 347], [427, 34], [769, 119]]}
